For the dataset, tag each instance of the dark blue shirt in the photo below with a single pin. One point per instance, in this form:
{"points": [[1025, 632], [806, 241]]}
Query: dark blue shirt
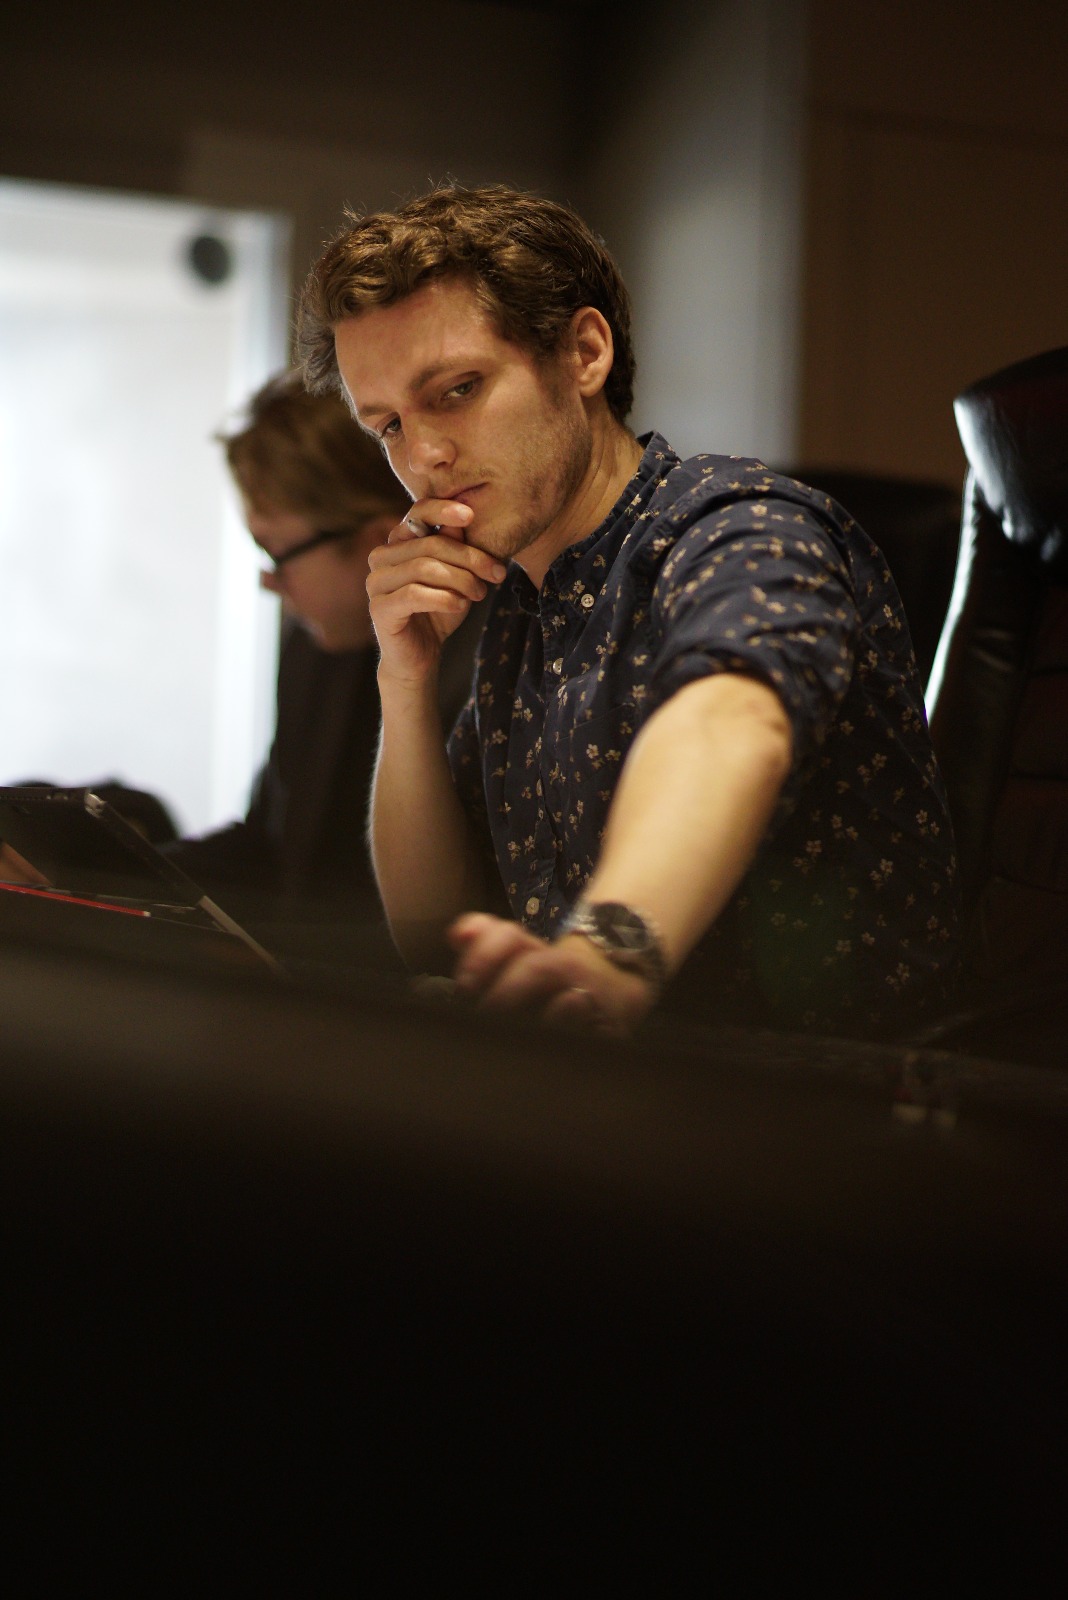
{"points": [[847, 920]]}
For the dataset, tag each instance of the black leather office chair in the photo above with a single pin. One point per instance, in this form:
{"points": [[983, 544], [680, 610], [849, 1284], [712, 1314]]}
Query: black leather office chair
{"points": [[999, 711]]}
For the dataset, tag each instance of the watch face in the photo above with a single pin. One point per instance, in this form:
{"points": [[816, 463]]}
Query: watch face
{"points": [[624, 936], [621, 926]]}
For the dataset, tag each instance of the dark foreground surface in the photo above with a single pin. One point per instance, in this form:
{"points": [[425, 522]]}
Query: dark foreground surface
{"points": [[371, 1290]]}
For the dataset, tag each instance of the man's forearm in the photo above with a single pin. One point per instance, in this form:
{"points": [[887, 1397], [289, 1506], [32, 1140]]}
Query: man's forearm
{"points": [[694, 800], [695, 797], [425, 860]]}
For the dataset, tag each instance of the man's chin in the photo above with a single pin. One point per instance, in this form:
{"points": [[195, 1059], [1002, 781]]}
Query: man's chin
{"points": [[502, 543], [336, 641]]}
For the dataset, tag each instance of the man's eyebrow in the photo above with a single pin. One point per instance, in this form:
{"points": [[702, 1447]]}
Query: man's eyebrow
{"points": [[376, 408]]}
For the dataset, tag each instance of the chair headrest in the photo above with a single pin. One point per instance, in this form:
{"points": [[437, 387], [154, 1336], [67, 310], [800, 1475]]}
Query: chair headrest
{"points": [[1014, 428]]}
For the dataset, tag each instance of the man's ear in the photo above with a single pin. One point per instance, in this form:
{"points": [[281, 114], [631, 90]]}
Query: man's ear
{"points": [[592, 349]]}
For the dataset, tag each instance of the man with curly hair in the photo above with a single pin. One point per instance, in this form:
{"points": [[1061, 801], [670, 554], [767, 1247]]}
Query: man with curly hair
{"points": [[696, 756]]}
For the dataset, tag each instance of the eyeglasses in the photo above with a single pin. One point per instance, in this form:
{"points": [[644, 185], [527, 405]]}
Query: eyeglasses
{"points": [[327, 536]]}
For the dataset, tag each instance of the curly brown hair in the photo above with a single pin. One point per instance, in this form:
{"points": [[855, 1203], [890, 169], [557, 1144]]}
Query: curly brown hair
{"points": [[533, 264]]}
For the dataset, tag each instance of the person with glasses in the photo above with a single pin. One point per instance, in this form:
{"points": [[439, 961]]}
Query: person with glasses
{"points": [[317, 496]]}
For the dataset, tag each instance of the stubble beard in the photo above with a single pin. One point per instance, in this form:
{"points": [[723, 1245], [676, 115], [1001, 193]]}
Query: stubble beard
{"points": [[549, 473]]}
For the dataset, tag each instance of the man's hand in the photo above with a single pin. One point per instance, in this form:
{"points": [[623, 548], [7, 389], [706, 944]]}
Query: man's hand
{"points": [[507, 968], [14, 869], [422, 583]]}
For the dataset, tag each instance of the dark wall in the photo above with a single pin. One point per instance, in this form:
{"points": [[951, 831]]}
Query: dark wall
{"points": [[936, 229], [936, 140], [290, 108]]}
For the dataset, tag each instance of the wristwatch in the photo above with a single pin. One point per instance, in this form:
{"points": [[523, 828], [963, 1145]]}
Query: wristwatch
{"points": [[628, 939]]}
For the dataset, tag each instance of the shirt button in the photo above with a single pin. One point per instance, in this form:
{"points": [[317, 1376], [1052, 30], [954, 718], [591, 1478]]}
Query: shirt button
{"points": [[533, 906], [558, 664], [586, 602]]}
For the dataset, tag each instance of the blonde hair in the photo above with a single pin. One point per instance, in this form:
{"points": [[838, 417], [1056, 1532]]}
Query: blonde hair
{"points": [[303, 452]]}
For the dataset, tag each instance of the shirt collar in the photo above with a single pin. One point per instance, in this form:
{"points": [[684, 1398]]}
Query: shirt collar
{"points": [[582, 567]]}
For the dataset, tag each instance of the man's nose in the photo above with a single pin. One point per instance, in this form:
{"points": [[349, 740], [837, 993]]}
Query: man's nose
{"points": [[429, 449]]}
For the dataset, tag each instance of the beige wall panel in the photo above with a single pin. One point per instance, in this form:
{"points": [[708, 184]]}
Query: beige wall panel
{"points": [[693, 174], [933, 257]]}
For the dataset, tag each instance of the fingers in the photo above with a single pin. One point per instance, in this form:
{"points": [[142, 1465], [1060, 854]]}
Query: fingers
{"points": [[430, 517], [438, 547], [428, 547], [503, 966], [506, 967], [577, 1008], [485, 947], [425, 568], [408, 617], [422, 583]]}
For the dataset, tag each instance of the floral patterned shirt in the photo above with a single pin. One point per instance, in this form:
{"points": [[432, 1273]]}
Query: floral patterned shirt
{"points": [[847, 919]]}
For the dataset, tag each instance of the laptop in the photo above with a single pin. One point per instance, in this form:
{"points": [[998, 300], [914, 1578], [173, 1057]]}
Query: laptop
{"points": [[96, 861]]}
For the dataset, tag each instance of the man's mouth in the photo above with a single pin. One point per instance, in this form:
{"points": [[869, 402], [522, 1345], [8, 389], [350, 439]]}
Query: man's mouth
{"points": [[464, 495]]}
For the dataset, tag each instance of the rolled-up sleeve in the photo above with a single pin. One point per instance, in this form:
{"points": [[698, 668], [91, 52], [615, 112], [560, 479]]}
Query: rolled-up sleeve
{"points": [[761, 589]]}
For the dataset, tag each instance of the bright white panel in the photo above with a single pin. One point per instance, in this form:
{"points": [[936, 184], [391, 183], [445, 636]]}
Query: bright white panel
{"points": [[135, 644]]}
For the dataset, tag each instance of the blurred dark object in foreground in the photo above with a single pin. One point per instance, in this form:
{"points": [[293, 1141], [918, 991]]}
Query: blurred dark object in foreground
{"points": [[145, 812], [365, 1281]]}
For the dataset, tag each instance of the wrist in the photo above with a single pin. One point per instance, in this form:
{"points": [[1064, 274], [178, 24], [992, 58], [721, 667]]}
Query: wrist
{"points": [[626, 938], [405, 694]]}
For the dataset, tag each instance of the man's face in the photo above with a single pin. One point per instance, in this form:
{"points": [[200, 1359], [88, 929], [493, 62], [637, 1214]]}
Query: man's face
{"points": [[465, 414], [325, 588]]}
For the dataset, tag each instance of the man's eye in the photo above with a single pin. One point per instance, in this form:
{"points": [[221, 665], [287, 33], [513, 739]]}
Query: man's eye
{"points": [[462, 390], [391, 429]]}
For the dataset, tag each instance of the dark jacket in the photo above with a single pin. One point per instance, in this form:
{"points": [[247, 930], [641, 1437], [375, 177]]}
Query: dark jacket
{"points": [[301, 851]]}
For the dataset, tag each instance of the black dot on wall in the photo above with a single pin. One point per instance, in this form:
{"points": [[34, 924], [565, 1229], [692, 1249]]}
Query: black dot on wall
{"points": [[210, 258]]}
